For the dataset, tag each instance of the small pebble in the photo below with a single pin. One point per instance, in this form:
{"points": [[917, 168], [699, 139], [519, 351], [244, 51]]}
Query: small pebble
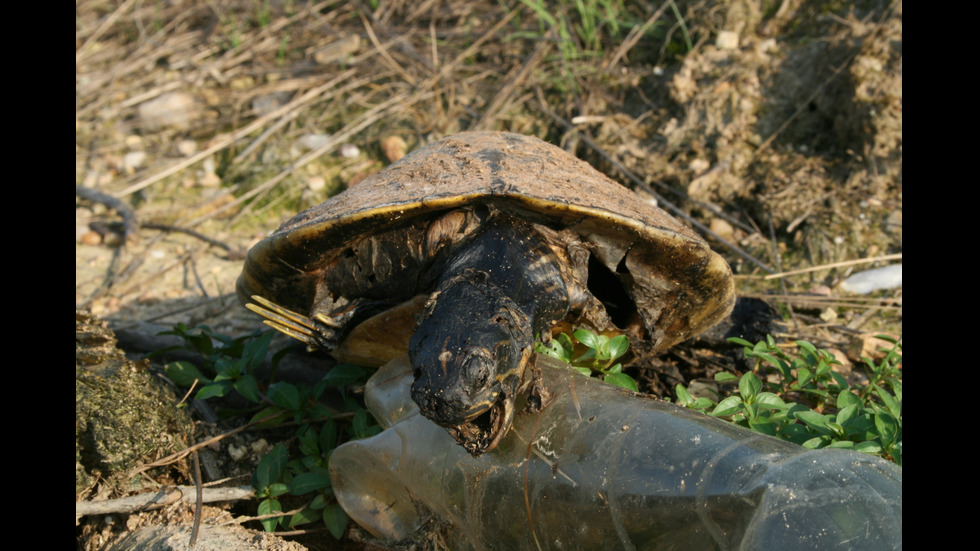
{"points": [[727, 40], [91, 238], [309, 142], [349, 151], [868, 281], [316, 183], [186, 147], [133, 160], [394, 147], [236, 453], [829, 315], [722, 228], [175, 110]]}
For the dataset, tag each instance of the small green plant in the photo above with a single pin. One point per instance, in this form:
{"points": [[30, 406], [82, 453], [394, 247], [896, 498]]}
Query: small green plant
{"points": [[599, 357], [230, 365], [810, 403]]}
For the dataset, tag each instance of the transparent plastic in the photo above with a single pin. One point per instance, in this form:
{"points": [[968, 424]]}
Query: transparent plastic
{"points": [[603, 468]]}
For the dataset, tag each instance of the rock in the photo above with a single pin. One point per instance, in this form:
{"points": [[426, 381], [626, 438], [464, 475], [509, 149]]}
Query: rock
{"points": [[133, 160], [868, 281], [337, 51], [177, 110], [267, 103], [868, 346], [394, 147], [349, 151], [91, 237], [316, 183], [186, 148], [722, 228], [727, 40], [309, 142]]}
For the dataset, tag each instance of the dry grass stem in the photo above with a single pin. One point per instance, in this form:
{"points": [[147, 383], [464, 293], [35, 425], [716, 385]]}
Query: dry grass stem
{"points": [[842, 264]]}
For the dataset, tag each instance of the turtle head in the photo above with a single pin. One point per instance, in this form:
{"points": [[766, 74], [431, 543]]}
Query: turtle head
{"points": [[469, 353]]}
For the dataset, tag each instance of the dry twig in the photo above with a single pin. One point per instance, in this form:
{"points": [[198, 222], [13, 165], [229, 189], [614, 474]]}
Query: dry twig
{"points": [[835, 265], [161, 498]]}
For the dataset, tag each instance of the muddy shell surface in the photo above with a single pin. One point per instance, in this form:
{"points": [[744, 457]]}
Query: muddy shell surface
{"points": [[679, 285]]}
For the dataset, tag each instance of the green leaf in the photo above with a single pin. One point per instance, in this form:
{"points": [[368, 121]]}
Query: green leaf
{"points": [[319, 502], [814, 419], [318, 412], [255, 351], [328, 436], [621, 380], [249, 388], [803, 377], [839, 379], [848, 398], [749, 385], [308, 441], [270, 468], [268, 507], [344, 374], [335, 519], [728, 406], [618, 346], [364, 425], [273, 416], [836, 428], [305, 516], [277, 489], [894, 407], [702, 404], [586, 337], [796, 433], [587, 371], [868, 446], [304, 483], [847, 414], [724, 377], [587, 357], [815, 443], [602, 351], [769, 400], [228, 368], [684, 397], [763, 425], [887, 427], [553, 349], [213, 390], [284, 395], [740, 342], [183, 374], [769, 358]]}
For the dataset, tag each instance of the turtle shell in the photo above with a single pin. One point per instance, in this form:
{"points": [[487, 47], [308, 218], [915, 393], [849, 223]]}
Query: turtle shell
{"points": [[678, 285]]}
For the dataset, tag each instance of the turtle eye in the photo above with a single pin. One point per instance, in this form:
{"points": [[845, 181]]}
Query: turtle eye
{"points": [[478, 369]]}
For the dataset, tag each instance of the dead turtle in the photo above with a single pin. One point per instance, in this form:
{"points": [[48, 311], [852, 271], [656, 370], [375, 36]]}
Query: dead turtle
{"points": [[505, 235]]}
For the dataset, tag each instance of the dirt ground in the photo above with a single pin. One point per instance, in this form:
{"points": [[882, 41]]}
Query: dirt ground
{"points": [[774, 127]]}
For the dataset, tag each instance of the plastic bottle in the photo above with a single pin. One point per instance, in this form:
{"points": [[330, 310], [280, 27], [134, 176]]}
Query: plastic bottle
{"points": [[603, 468]]}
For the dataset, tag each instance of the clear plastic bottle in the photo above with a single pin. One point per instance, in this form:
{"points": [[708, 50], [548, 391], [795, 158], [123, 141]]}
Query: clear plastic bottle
{"points": [[603, 468]]}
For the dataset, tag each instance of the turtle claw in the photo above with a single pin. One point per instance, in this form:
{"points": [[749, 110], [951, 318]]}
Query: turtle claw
{"points": [[326, 320], [318, 333]]}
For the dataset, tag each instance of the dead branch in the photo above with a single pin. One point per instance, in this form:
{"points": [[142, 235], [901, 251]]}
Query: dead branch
{"points": [[161, 498]]}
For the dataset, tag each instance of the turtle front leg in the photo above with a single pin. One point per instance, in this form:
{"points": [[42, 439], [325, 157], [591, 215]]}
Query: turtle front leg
{"points": [[321, 332]]}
